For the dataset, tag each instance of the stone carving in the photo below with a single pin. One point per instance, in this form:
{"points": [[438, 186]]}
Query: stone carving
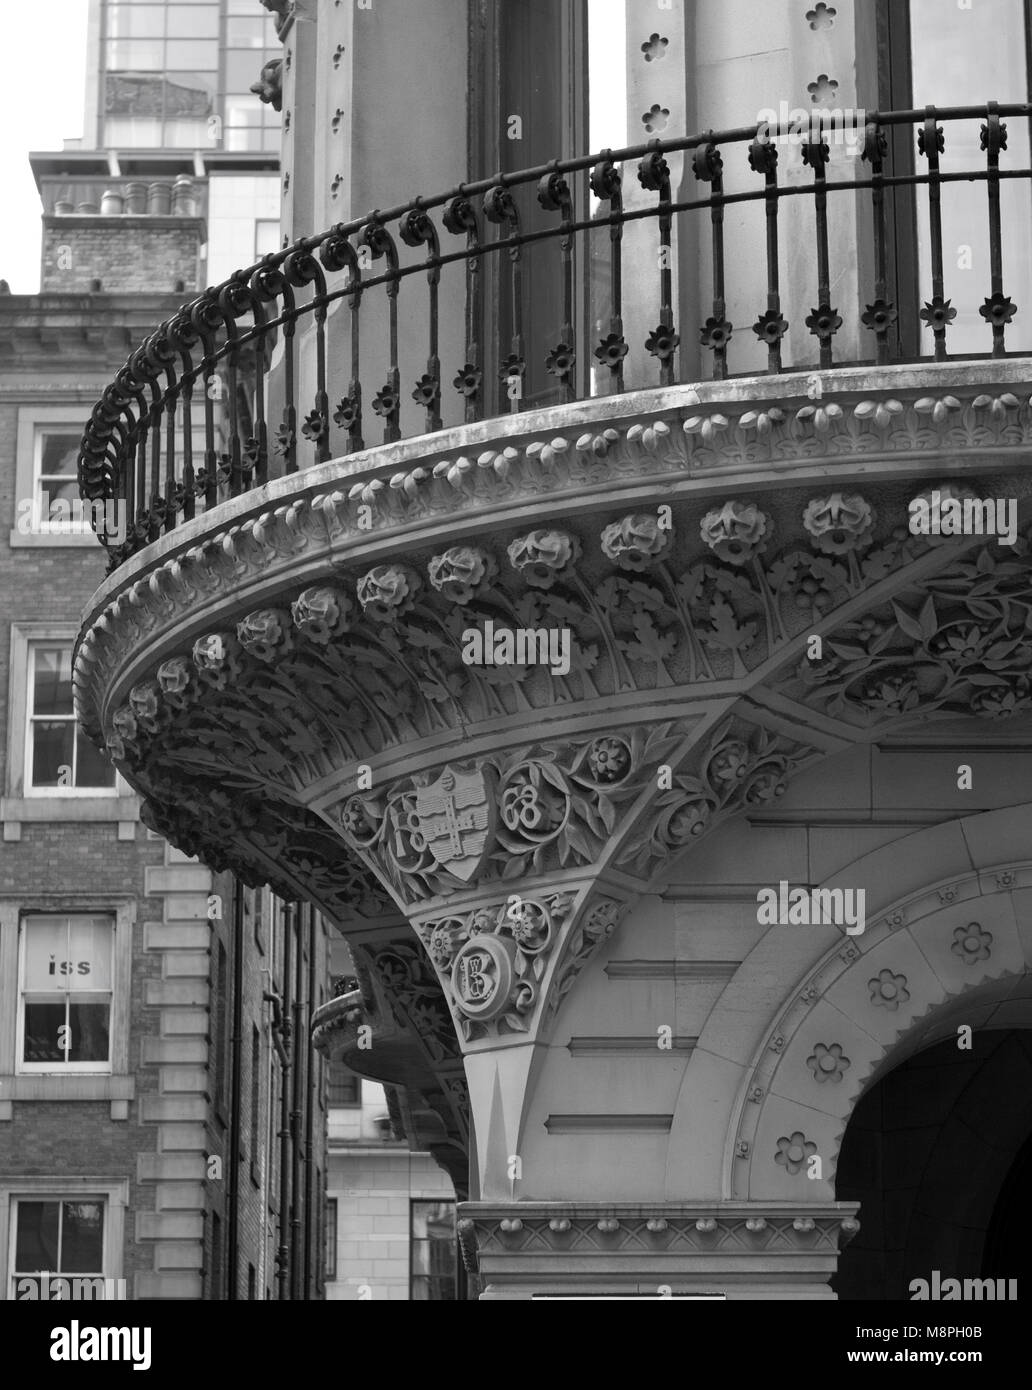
{"points": [[888, 990], [740, 767], [972, 943], [269, 87], [793, 1150], [957, 645], [494, 959], [828, 1063], [537, 808]]}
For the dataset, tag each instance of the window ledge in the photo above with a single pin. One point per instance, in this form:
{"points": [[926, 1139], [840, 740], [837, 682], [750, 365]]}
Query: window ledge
{"points": [[18, 810], [57, 1086], [65, 539]]}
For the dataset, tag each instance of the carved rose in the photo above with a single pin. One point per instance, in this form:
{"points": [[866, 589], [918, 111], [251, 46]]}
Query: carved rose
{"points": [[635, 541], [460, 572], [358, 820], [321, 613], [947, 492], [216, 659], [387, 592], [609, 759], [265, 634], [827, 1062], [839, 523], [737, 532], [972, 943], [174, 678], [793, 1151], [541, 556], [126, 728], [729, 763], [145, 703]]}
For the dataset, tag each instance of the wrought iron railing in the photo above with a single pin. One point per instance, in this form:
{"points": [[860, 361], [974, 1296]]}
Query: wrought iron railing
{"points": [[228, 393]]}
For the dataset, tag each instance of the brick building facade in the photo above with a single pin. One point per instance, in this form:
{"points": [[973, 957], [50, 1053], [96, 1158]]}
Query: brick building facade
{"points": [[122, 1105]]}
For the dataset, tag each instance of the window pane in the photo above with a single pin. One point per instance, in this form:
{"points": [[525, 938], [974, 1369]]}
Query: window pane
{"points": [[53, 680], [82, 1238], [201, 54], [242, 68], [89, 948], [52, 749], [190, 94], [42, 1024], [58, 453], [92, 767], [89, 1032], [192, 22], [135, 55], [243, 137], [45, 952], [135, 21], [131, 95], [186, 134], [36, 1239], [55, 489], [141, 133]]}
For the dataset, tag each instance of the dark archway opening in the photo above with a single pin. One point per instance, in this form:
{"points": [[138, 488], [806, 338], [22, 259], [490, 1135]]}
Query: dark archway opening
{"points": [[939, 1154]]}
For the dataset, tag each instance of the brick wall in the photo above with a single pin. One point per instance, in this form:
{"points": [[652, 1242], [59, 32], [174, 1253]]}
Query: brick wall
{"points": [[126, 254]]}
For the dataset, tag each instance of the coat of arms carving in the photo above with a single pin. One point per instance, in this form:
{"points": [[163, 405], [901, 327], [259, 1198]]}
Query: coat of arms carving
{"points": [[457, 815]]}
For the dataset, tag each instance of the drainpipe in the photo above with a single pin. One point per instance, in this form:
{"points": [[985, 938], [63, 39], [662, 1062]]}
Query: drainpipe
{"points": [[310, 1214], [301, 916], [283, 1254], [234, 1088]]}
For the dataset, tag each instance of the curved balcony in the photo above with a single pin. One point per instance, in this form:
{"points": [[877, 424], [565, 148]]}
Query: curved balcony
{"points": [[554, 639]]}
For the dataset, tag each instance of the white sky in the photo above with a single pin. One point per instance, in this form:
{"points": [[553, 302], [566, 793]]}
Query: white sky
{"points": [[44, 83]]}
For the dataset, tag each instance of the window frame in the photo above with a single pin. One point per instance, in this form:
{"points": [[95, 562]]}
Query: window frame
{"points": [[65, 1068], [116, 1084], [64, 418], [415, 1202], [36, 644], [112, 1191], [49, 804]]}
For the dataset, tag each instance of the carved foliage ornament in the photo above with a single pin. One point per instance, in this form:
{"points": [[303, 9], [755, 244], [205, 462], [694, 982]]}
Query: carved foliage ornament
{"points": [[494, 961]]}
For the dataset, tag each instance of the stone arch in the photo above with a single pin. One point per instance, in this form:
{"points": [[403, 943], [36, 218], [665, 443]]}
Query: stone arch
{"points": [[870, 1000]]}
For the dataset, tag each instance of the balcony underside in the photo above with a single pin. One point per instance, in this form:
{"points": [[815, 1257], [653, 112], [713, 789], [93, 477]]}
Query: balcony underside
{"points": [[283, 679]]}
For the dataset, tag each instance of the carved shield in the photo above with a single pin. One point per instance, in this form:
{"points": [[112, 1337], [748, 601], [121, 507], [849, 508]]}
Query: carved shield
{"points": [[457, 816]]}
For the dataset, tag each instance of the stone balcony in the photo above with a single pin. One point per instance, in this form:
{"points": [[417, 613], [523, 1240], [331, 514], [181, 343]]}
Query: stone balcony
{"points": [[288, 659]]}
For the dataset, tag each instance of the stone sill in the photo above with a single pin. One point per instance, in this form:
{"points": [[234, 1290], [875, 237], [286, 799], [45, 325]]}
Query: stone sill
{"points": [[59, 1086], [16, 811], [19, 540]]}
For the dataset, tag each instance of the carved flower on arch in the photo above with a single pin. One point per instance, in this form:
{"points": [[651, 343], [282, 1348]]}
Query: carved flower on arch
{"points": [[686, 822], [145, 703], [609, 759], [839, 523], [890, 694], [358, 819], [888, 990], [729, 764], [459, 572], [174, 679], [736, 532], [387, 592], [635, 541], [542, 556], [444, 939], [266, 634], [972, 943], [1000, 702], [828, 1063], [793, 1151], [321, 613]]}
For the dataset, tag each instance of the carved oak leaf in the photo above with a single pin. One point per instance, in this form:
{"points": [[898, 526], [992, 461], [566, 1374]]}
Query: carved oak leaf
{"points": [[652, 646], [726, 633]]}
